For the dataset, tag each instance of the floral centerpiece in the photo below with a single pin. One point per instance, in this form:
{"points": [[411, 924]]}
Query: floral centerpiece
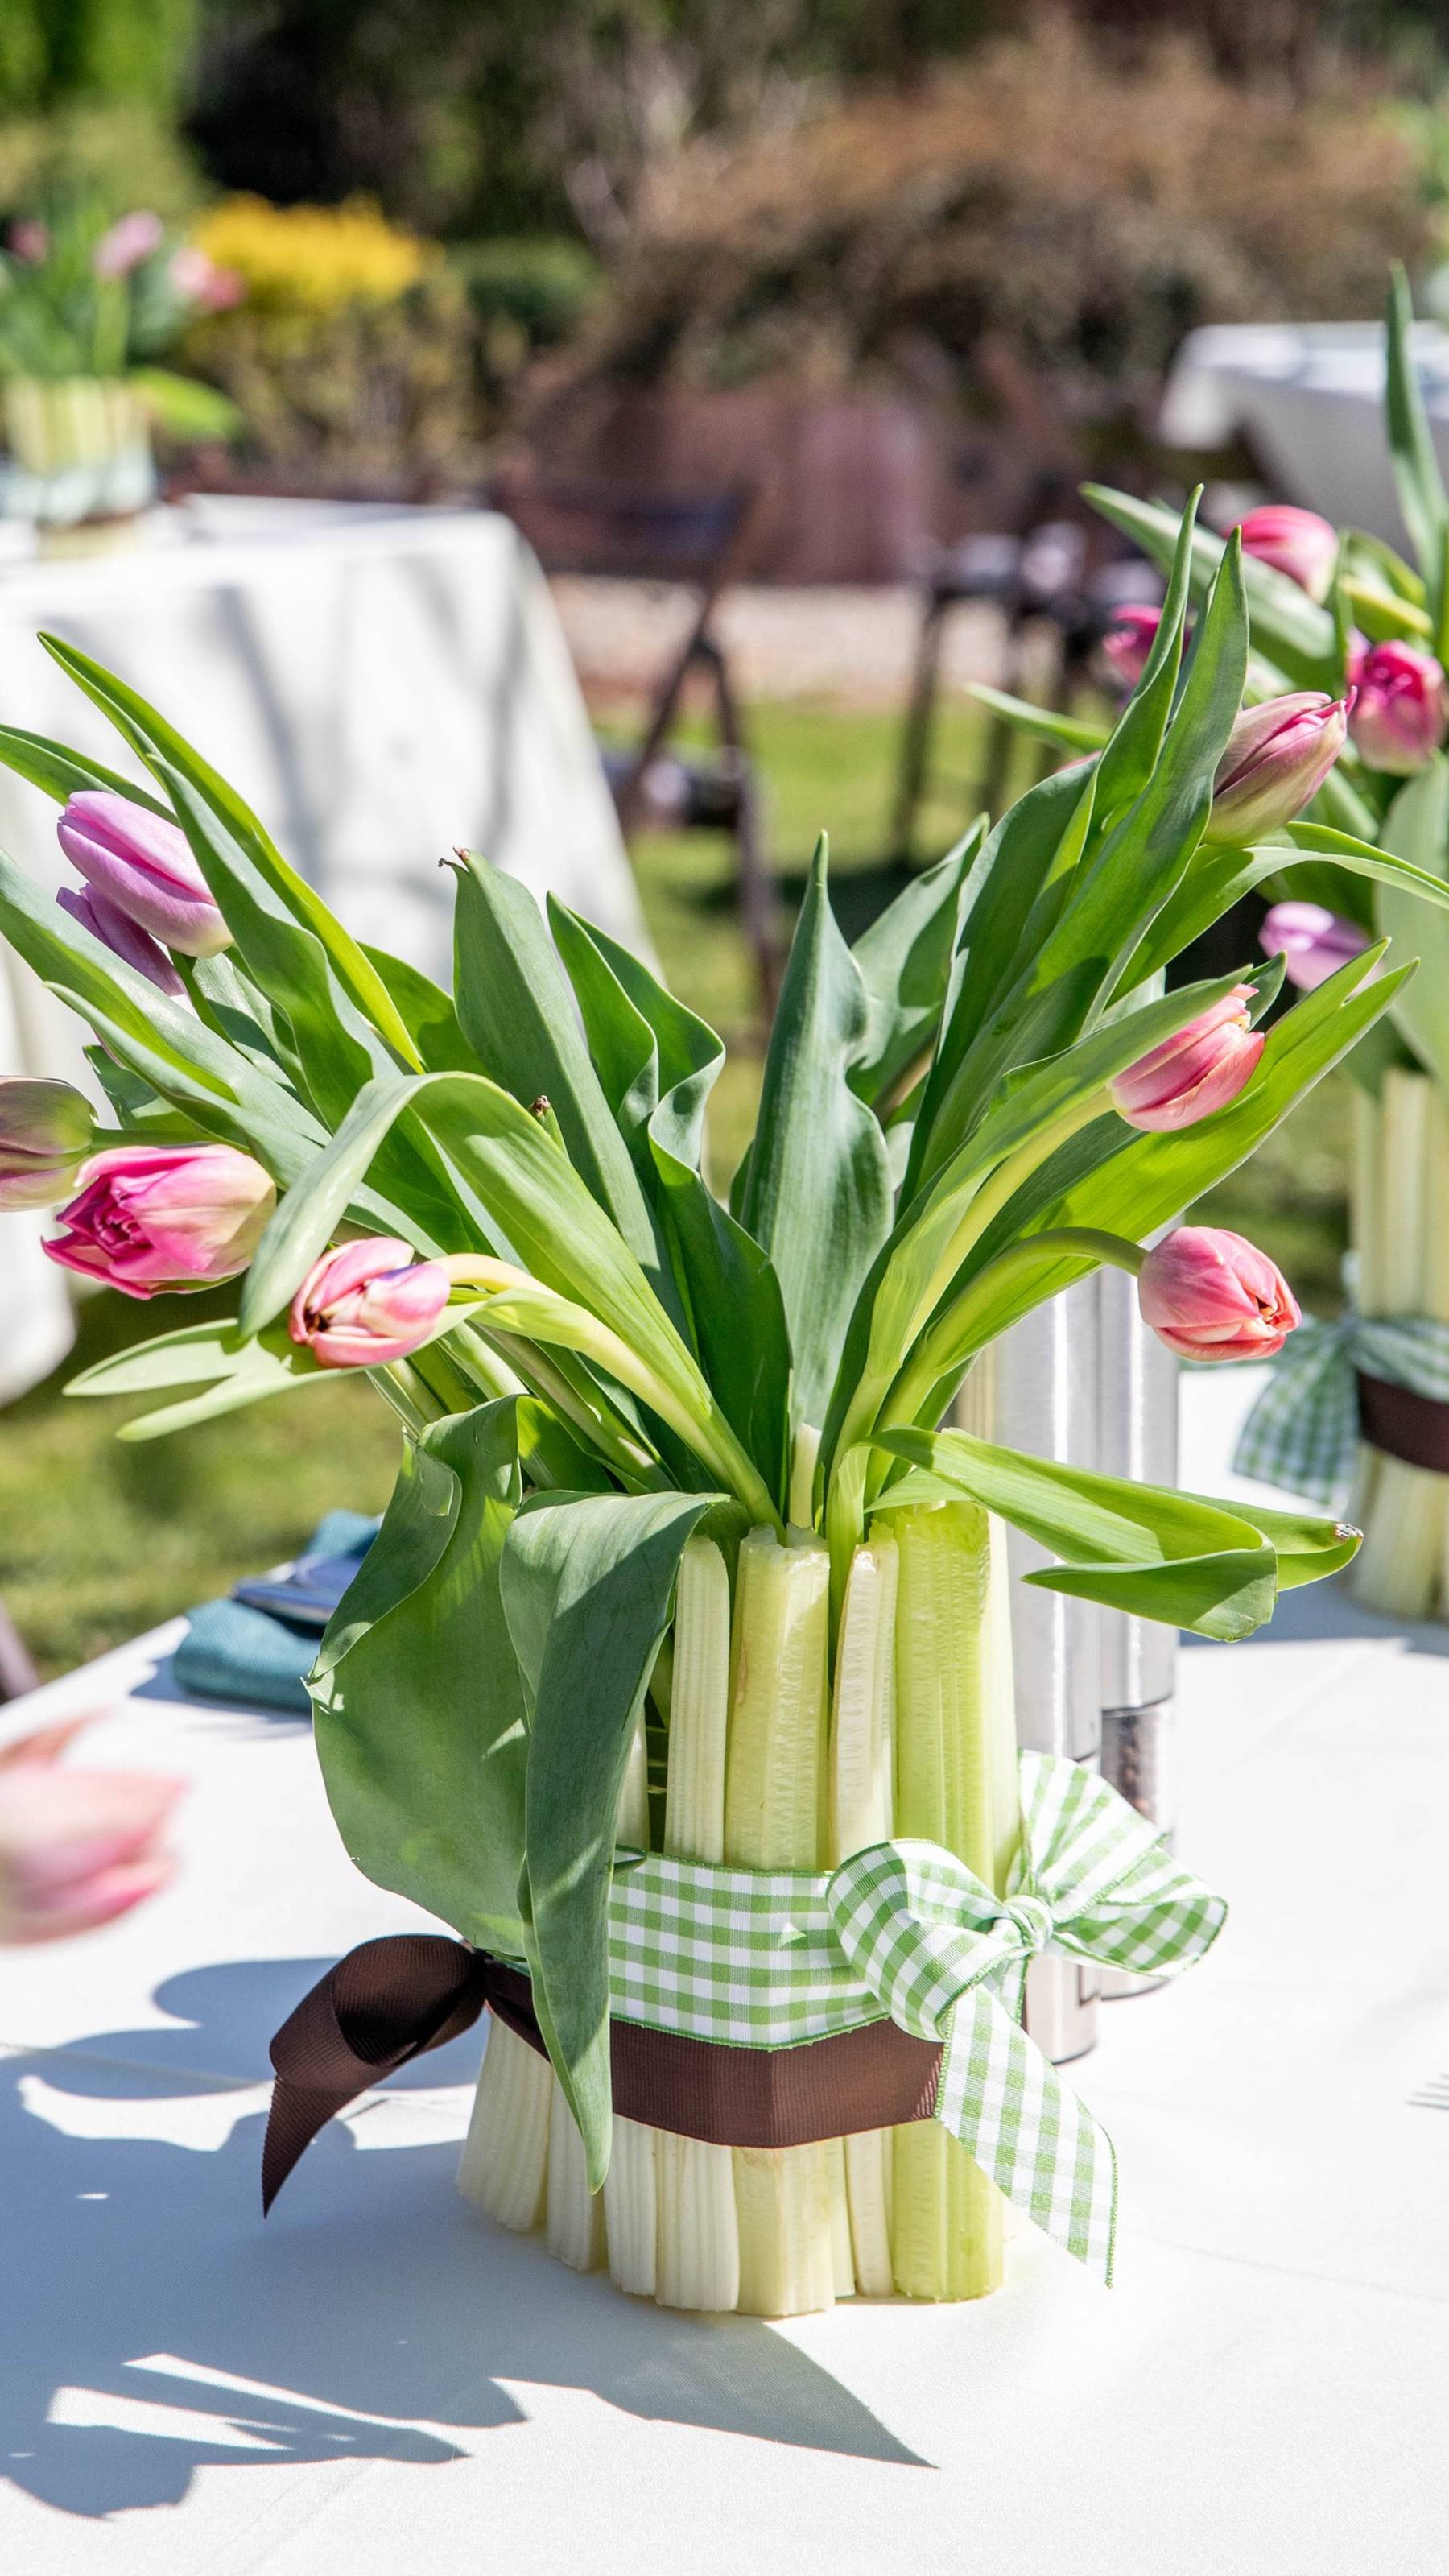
{"points": [[1359, 1410], [677, 1679], [86, 308]]}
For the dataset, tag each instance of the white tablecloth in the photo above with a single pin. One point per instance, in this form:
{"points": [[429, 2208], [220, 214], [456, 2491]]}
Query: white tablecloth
{"points": [[377, 2381], [1310, 399], [379, 683]]}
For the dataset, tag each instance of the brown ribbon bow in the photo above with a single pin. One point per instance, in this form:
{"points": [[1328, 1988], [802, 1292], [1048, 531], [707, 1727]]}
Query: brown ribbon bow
{"points": [[389, 2001]]}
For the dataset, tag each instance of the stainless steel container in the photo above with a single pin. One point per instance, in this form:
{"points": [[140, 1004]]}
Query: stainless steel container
{"points": [[1138, 1438]]}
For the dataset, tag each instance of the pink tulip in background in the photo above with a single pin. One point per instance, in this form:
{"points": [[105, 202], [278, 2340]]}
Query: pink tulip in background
{"points": [[1312, 942], [1277, 758], [45, 1135], [1295, 542], [125, 938], [153, 1217], [367, 1303], [1201, 1069], [1401, 712], [142, 864], [77, 1848], [193, 274], [29, 240], [1129, 640], [1211, 1295], [131, 239]]}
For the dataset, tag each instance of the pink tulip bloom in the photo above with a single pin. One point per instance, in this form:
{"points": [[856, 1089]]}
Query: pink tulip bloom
{"points": [[1201, 1069], [1129, 640], [194, 275], [367, 1303], [153, 1217], [125, 938], [1277, 758], [1401, 713], [29, 240], [77, 1848], [141, 863], [45, 1135], [1210, 1295], [1295, 542], [131, 239], [1312, 941]]}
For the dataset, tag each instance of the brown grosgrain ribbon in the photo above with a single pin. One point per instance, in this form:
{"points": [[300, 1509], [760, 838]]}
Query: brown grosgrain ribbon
{"points": [[391, 2000], [1403, 1424]]}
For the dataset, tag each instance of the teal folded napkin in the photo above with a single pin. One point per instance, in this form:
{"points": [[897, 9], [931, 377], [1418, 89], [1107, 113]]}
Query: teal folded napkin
{"points": [[232, 1652]]}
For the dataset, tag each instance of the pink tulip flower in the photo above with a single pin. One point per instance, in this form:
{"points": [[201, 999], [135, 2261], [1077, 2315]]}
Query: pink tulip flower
{"points": [[1129, 640], [1277, 758], [45, 1136], [1401, 713], [1210, 1295], [367, 1303], [131, 239], [142, 864], [77, 1848], [1295, 542], [1312, 942], [1201, 1069], [196, 276], [154, 1217], [29, 240], [125, 938]]}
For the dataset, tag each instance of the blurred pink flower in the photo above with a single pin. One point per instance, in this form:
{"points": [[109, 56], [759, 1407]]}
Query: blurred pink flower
{"points": [[1401, 712], [153, 1217], [215, 289], [131, 239], [29, 240], [367, 1303], [1201, 1068], [1295, 542], [77, 1848], [1129, 640], [1312, 941], [1211, 1295]]}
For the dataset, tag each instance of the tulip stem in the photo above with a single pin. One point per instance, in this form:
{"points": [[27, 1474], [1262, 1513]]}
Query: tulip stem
{"points": [[956, 1334]]}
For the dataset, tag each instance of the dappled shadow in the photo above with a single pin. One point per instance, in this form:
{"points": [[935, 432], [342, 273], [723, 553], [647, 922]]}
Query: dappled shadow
{"points": [[374, 2316]]}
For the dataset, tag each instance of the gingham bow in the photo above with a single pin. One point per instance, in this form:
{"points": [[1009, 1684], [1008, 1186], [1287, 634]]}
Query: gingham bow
{"points": [[775, 1959], [1302, 1433]]}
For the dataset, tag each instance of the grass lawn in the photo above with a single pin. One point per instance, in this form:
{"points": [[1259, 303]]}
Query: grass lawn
{"points": [[99, 1539]]}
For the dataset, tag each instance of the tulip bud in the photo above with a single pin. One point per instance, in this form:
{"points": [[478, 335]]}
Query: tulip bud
{"points": [[1129, 640], [1201, 1069], [45, 1136], [1401, 713], [77, 1848], [1312, 942], [153, 1217], [124, 937], [1277, 758], [367, 1303], [1209, 1295], [131, 239], [142, 864], [1295, 542], [29, 240]]}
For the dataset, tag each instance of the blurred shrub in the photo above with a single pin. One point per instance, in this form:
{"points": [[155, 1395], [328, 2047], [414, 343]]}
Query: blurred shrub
{"points": [[526, 296], [354, 354], [125, 155], [1084, 213]]}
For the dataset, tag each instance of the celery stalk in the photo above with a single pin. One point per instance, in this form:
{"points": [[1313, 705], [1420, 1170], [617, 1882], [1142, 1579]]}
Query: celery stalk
{"points": [[505, 2154], [631, 2184], [574, 2216], [955, 1780], [861, 1801], [775, 1819], [698, 2238], [1400, 1202]]}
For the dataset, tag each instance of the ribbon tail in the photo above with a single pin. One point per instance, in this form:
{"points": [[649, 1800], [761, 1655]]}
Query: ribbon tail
{"points": [[1039, 2143], [388, 2001]]}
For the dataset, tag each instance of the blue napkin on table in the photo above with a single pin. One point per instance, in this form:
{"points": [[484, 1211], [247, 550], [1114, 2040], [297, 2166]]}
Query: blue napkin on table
{"points": [[233, 1651]]}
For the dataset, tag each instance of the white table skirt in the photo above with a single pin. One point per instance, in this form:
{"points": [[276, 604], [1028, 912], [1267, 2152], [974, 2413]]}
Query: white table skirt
{"points": [[1310, 398], [377, 2380], [381, 684]]}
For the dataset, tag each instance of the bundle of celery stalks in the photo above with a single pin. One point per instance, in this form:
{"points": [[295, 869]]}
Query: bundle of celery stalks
{"points": [[679, 1555]]}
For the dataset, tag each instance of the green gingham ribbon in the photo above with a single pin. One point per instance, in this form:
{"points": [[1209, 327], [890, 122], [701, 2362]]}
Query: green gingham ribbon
{"points": [[906, 1931], [1302, 1433]]}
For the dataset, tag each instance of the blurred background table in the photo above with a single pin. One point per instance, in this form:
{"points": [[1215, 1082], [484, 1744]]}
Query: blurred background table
{"points": [[378, 2379], [379, 682], [1306, 399]]}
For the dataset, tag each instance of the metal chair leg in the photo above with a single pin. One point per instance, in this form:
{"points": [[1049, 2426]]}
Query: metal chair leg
{"points": [[915, 752]]}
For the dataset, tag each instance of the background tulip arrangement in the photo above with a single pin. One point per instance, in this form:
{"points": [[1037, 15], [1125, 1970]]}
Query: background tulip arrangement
{"points": [[679, 1552], [1351, 633]]}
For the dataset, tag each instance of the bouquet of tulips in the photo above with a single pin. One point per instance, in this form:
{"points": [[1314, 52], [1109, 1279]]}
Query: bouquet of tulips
{"points": [[684, 1596], [1359, 639]]}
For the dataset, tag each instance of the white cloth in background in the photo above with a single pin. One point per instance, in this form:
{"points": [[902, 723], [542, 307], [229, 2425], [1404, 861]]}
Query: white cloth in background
{"points": [[380, 684], [1310, 399]]}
